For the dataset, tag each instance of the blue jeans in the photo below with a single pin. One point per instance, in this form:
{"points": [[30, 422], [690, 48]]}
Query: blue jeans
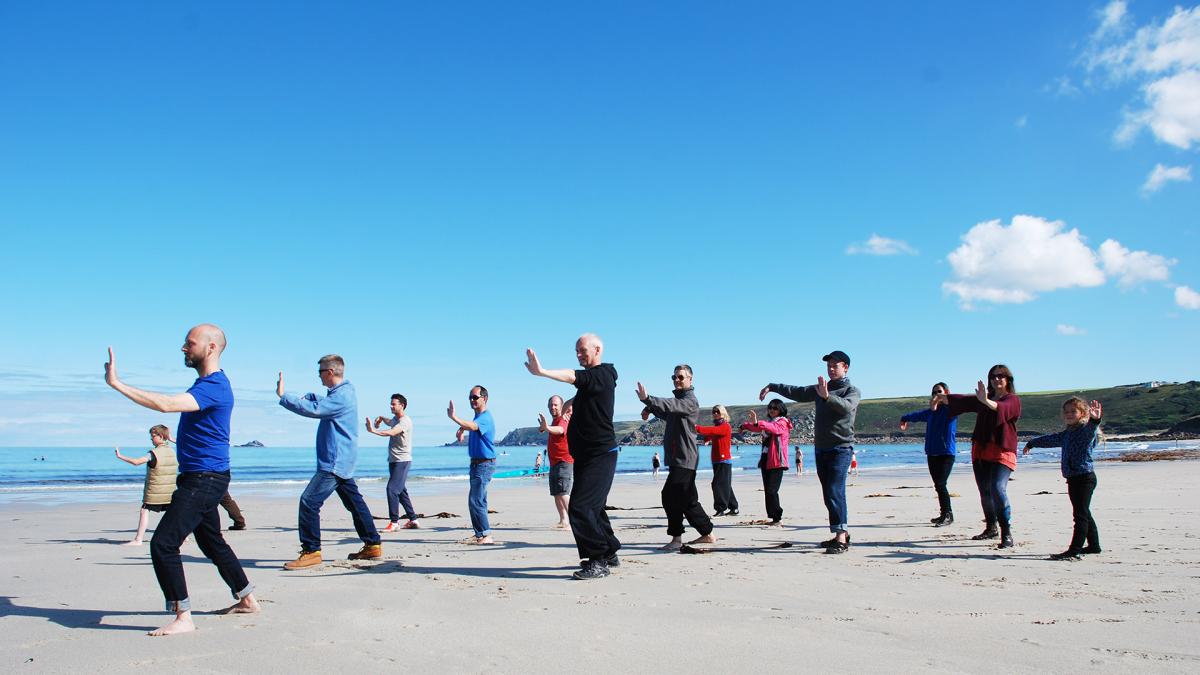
{"points": [[193, 510], [481, 475], [397, 494], [319, 488], [832, 465], [992, 480]]}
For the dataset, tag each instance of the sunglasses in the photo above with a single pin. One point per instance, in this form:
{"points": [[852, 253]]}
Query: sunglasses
{"points": [[474, 398]]}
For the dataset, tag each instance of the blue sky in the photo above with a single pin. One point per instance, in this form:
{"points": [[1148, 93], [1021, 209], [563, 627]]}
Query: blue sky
{"points": [[428, 189]]}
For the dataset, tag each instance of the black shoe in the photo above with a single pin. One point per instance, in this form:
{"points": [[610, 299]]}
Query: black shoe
{"points": [[718, 514], [592, 569], [1066, 555], [612, 561], [237, 526], [1006, 541], [732, 512], [947, 519], [837, 547], [990, 532], [937, 520], [1089, 550]]}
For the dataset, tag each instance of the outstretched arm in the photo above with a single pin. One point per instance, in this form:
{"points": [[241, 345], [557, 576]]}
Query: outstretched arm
{"points": [[380, 431], [462, 424], [535, 368], [136, 461], [167, 403]]}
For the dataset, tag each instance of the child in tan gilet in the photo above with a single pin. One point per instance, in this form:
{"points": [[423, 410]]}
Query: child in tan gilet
{"points": [[161, 470]]}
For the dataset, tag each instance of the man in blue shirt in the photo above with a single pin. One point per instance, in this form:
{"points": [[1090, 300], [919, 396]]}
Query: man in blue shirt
{"points": [[337, 452], [202, 448], [482, 450]]}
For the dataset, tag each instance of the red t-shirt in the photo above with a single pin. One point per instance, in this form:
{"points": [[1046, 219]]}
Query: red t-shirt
{"points": [[556, 446]]}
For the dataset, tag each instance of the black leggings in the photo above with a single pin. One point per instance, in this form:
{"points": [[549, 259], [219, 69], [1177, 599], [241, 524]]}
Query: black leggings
{"points": [[1080, 489], [939, 470], [772, 479]]}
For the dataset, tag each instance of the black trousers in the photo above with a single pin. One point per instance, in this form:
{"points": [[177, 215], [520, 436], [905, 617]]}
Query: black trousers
{"points": [[1080, 489], [772, 479], [680, 500], [589, 522], [722, 487], [939, 470]]}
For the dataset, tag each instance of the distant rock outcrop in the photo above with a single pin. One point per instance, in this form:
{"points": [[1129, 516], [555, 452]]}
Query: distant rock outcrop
{"points": [[251, 444]]}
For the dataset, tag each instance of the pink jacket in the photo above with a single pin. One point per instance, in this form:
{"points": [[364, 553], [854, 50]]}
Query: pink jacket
{"points": [[776, 434]]}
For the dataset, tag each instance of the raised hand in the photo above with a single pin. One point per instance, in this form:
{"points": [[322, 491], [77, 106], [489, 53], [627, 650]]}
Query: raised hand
{"points": [[450, 413], [822, 387], [279, 385], [938, 401], [531, 363], [369, 426], [903, 425], [379, 420], [645, 414], [981, 391], [110, 369], [641, 392], [458, 435], [762, 395], [1095, 410], [753, 416], [542, 426]]}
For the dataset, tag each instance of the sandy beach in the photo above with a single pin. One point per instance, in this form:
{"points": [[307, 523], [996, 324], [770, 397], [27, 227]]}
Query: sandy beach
{"points": [[907, 596]]}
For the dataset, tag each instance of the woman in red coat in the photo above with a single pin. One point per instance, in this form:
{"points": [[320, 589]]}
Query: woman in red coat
{"points": [[722, 484]]}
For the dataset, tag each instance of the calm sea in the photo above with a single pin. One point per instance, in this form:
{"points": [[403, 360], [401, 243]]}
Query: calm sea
{"points": [[94, 474]]}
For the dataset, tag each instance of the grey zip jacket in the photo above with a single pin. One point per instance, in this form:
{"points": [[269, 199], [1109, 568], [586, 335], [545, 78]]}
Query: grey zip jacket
{"points": [[834, 425], [679, 439]]}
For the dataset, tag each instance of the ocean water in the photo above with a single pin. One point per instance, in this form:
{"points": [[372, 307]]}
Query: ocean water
{"points": [[29, 474]]}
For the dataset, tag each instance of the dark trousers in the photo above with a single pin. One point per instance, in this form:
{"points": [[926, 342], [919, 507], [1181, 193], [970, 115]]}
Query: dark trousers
{"points": [[832, 465], [235, 512], [772, 479], [397, 493], [992, 480], [319, 488], [193, 510], [939, 470], [680, 500], [589, 522], [722, 487], [1080, 489]]}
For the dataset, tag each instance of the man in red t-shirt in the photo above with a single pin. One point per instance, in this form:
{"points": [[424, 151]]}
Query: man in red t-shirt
{"points": [[562, 465]]}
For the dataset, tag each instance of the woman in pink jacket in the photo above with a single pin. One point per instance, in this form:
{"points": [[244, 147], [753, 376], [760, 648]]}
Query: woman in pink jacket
{"points": [[775, 431]]}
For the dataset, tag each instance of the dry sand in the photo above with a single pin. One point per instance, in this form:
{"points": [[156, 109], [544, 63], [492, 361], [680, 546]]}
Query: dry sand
{"points": [[907, 597]]}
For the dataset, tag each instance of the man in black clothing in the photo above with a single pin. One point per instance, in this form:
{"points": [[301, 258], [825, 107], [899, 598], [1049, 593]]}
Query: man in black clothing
{"points": [[679, 496], [593, 445]]}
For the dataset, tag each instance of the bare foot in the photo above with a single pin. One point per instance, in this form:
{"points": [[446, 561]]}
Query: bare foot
{"points": [[470, 540], [561, 525], [133, 542], [673, 545], [181, 624], [247, 605], [706, 539], [484, 540]]}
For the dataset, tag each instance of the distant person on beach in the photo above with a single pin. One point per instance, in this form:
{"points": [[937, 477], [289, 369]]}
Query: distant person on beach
{"points": [[679, 497], [940, 448], [655, 461], [481, 447], [337, 453], [161, 472], [399, 435], [836, 403], [853, 463], [593, 445], [993, 445], [1077, 441], [799, 460], [773, 462], [537, 463], [562, 465], [202, 450], [722, 461]]}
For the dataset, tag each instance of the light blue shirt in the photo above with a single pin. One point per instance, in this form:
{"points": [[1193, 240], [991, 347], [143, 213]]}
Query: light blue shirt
{"points": [[337, 434]]}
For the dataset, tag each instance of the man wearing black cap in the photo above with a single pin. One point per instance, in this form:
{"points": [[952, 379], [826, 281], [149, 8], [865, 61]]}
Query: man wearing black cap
{"points": [[836, 404]]}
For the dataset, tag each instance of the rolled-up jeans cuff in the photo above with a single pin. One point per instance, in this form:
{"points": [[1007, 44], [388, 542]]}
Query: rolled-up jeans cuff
{"points": [[238, 595], [179, 606], [837, 528]]}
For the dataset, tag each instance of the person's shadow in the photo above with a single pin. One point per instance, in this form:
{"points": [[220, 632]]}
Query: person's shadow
{"points": [[69, 617]]}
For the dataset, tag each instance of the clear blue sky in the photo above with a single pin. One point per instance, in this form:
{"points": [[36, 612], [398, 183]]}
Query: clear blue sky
{"points": [[427, 189]]}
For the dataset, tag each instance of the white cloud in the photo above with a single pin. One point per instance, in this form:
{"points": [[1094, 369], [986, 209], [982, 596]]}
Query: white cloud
{"points": [[1165, 60], [1131, 268], [1067, 329], [1062, 86], [1161, 175], [877, 245], [1001, 264], [1012, 264], [1187, 298]]}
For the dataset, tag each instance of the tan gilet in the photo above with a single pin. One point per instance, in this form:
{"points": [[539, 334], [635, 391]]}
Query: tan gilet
{"points": [[160, 480]]}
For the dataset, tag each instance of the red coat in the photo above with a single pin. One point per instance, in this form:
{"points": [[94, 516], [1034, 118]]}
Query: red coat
{"points": [[719, 436]]}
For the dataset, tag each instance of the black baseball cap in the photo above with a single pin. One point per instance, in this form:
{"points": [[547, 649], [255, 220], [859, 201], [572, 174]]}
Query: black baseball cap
{"points": [[837, 355]]}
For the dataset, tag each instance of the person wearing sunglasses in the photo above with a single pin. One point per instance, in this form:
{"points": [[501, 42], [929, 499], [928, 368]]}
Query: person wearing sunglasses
{"points": [[773, 463], [679, 497], [720, 434], [481, 447]]}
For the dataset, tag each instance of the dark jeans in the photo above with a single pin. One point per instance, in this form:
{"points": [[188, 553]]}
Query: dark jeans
{"points": [[680, 500], [481, 474], [772, 479], [397, 494], [1080, 489], [832, 465], [319, 488], [722, 487], [589, 522], [193, 510], [939, 470], [992, 480], [235, 512]]}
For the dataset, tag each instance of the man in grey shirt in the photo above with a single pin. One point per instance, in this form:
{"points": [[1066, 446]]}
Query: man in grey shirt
{"points": [[399, 435], [679, 497]]}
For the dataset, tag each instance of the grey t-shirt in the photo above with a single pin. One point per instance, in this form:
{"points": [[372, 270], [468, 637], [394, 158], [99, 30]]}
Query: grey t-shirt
{"points": [[400, 445]]}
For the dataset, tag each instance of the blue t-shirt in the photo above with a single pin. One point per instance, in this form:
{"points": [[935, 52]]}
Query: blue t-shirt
{"points": [[479, 443], [202, 439]]}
